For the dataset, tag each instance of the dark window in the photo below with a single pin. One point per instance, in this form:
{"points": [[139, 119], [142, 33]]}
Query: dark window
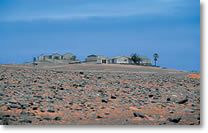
{"points": [[56, 57], [104, 61], [113, 61]]}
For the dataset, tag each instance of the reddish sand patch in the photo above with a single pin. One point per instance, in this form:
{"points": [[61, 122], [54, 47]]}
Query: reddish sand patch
{"points": [[194, 76]]}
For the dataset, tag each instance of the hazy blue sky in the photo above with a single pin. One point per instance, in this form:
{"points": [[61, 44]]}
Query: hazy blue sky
{"points": [[171, 28]]}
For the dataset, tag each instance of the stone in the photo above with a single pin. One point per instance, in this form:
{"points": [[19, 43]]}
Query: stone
{"points": [[182, 101], [138, 114], [23, 113], [151, 95], [154, 101], [13, 105], [175, 119], [34, 107], [13, 119], [113, 97], [46, 118], [81, 72], [51, 110], [104, 100], [99, 117], [5, 121], [24, 106], [107, 113], [26, 121], [57, 118], [42, 110], [71, 103], [188, 110], [1, 78]]}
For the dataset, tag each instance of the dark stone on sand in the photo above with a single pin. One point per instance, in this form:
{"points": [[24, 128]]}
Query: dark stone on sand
{"points": [[51, 110], [113, 97], [24, 106], [182, 101], [99, 117], [154, 101], [188, 110], [34, 107], [57, 118], [81, 72], [5, 121], [104, 100], [151, 95], [138, 114], [168, 99], [23, 113], [1, 78], [175, 119], [47, 118], [107, 113], [6, 116], [13, 105], [26, 121], [52, 87], [13, 119]]}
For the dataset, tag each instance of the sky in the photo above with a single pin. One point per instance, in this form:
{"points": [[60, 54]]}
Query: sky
{"points": [[171, 28]]}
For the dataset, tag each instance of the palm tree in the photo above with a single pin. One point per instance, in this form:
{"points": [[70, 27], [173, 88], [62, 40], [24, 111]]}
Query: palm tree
{"points": [[155, 57], [34, 61]]}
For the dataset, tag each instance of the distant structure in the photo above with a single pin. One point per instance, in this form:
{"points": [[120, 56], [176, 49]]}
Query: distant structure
{"points": [[120, 60], [101, 59], [58, 58], [145, 61]]}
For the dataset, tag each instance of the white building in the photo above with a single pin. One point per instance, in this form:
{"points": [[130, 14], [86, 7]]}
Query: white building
{"points": [[120, 60], [99, 59]]}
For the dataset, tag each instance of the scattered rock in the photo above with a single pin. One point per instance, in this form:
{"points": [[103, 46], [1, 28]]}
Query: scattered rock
{"points": [[51, 110], [104, 100], [182, 101], [81, 72], [26, 121], [138, 114], [99, 117], [175, 119], [13, 105], [34, 107], [57, 118], [188, 110], [113, 97]]}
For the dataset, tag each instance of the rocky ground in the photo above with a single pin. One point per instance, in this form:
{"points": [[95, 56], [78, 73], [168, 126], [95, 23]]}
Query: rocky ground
{"points": [[98, 94]]}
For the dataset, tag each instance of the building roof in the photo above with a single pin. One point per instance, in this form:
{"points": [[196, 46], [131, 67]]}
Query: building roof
{"points": [[67, 54], [55, 54], [92, 55], [120, 56]]}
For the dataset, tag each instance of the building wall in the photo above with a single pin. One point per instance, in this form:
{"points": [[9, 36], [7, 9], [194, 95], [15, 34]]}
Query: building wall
{"points": [[56, 57], [41, 58], [69, 57], [120, 60], [91, 58], [102, 59]]}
